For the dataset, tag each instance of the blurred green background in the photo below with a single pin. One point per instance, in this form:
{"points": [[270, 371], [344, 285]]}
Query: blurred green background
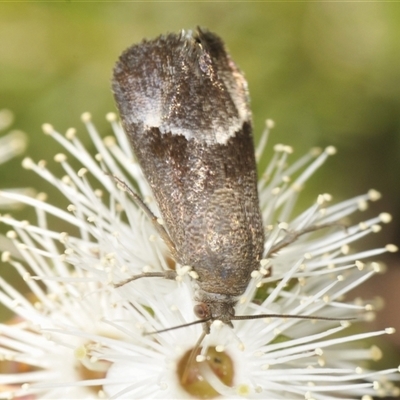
{"points": [[328, 74]]}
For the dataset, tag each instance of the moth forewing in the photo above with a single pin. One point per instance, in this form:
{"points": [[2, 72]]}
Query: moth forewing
{"points": [[184, 106]]}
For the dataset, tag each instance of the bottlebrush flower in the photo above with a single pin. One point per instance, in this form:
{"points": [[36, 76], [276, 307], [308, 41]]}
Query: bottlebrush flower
{"points": [[78, 336]]}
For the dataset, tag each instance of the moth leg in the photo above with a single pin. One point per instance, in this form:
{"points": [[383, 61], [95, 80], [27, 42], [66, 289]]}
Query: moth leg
{"points": [[160, 229], [294, 235], [163, 274]]}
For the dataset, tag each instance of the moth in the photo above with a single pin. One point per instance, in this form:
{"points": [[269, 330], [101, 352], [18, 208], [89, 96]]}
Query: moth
{"points": [[184, 105]]}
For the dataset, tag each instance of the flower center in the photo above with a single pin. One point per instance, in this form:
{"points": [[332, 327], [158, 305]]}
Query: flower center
{"points": [[99, 372], [195, 383], [89, 368]]}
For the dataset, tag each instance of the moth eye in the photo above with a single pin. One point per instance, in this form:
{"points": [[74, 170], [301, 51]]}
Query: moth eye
{"points": [[201, 311]]}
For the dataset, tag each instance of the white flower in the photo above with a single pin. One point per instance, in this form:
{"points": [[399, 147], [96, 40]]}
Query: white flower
{"points": [[79, 321], [36, 357]]}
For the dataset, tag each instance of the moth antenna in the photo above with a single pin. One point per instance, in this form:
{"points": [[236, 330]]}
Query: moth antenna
{"points": [[141, 204], [315, 317], [192, 357], [179, 326], [292, 236]]}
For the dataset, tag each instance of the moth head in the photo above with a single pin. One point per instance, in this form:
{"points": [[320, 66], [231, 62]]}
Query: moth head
{"points": [[211, 311]]}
